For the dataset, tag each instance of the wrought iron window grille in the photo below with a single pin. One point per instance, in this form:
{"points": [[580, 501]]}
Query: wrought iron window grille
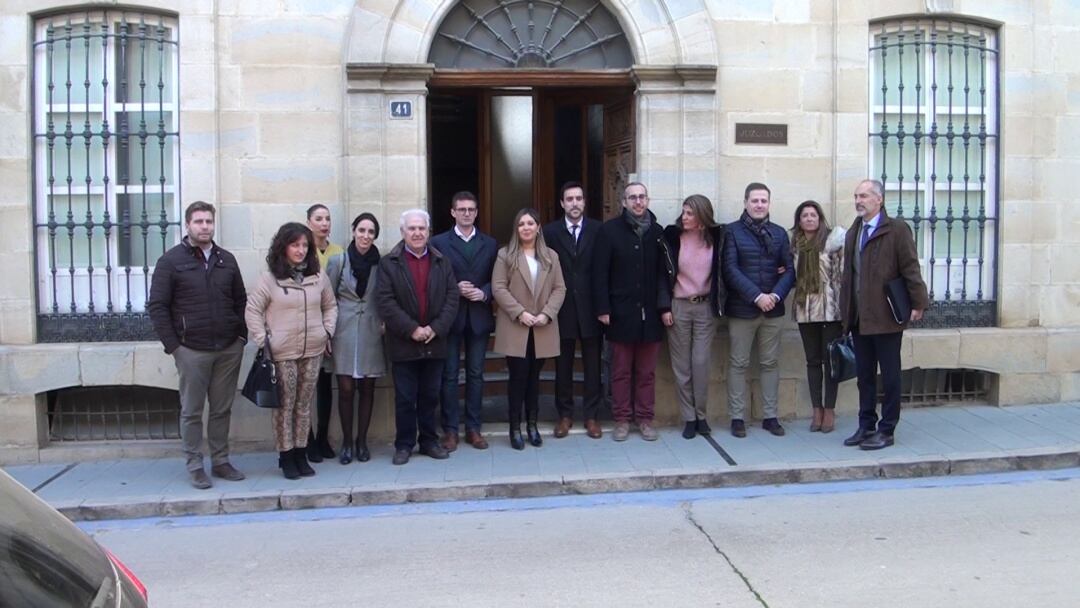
{"points": [[934, 144], [106, 167], [113, 413]]}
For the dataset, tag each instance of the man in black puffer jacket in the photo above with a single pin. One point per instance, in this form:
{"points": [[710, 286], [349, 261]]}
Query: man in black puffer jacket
{"points": [[197, 302], [754, 253]]}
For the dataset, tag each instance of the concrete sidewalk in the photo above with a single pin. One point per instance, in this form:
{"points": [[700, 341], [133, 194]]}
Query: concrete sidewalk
{"points": [[930, 442]]}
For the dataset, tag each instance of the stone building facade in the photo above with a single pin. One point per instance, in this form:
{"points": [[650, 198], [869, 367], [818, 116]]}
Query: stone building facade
{"points": [[265, 107]]}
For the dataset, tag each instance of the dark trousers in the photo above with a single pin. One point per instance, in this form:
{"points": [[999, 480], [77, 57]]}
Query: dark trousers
{"points": [[871, 352], [475, 351], [815, 342], [524, 389], [324, 404], [564, 377], [416, 393], [633, 372]]}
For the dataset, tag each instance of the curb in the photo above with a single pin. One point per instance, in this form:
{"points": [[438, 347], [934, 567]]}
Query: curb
{"points": [[534, 487]]}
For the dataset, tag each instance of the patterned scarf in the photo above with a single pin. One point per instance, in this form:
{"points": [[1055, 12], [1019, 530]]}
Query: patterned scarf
{"points": [[808, 267], [760, 229]]}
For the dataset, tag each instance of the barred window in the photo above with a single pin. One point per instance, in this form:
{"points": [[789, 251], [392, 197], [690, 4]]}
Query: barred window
{"points": [[106, 166], [934, 144]]}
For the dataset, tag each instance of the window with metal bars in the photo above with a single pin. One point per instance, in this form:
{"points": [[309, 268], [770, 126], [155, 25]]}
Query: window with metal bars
{"points": [[934, 144], [113, 413], [106, 169]]}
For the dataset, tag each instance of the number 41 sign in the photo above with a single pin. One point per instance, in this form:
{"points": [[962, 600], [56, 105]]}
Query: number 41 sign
{"points": [[401, 110]]}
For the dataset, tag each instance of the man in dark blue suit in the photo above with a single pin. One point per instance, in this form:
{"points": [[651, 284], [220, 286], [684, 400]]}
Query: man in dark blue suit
{"points": [[572, 237], [472, 256]]}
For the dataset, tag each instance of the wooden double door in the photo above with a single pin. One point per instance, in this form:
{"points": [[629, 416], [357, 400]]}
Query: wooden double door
{"points": [[514, 146]]}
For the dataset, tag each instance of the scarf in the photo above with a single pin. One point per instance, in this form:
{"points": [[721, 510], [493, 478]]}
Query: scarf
{"points": [[298, 272], [361, 265], [760, 230], [640, 224], [807, 268]]}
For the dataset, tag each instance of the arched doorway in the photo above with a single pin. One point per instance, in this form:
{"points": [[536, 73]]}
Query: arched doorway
{"points": [[527, 95]]}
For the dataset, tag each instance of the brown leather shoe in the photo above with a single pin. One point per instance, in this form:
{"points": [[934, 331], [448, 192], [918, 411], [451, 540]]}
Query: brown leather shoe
{"points": [[592, 429], [562, 429], [476, 440], [449, 441], [227, 471]]}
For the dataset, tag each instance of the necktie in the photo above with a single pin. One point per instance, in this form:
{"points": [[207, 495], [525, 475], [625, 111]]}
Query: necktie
{"points": [[573, 235], [865, 236]]}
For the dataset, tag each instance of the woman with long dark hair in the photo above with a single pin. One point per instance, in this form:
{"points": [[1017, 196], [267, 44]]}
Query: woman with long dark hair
{"points": [[527, 283], [293, 309], [819, 255], [358, 345], [698, 295]]}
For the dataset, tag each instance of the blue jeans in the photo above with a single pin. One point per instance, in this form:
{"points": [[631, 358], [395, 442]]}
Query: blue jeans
{"points": [[475, 351], [416, 387]]}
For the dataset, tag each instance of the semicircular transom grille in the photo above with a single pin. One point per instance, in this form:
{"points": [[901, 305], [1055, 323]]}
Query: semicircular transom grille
{"points": [[565, 34]]}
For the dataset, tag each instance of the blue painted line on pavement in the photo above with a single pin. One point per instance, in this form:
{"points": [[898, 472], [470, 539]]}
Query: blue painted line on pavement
{"points": [[646, 498]]}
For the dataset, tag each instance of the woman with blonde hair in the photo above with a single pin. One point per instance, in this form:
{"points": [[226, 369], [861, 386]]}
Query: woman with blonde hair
{"points": [[527, 283], [819, 255], [293, 310]]}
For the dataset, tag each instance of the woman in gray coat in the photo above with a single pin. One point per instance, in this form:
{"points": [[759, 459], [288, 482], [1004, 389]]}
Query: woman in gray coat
{"points": [[358, 347]]}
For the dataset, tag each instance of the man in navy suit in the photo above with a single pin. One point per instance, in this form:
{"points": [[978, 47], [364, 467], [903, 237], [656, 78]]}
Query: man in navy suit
{"points": [[472, 256], [572, 237]]}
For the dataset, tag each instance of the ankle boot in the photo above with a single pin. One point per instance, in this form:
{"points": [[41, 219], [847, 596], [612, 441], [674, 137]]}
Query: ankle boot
{"points": [[322, 442], [516, 440], [313, 453], [534, 435], [288, 465], [301, 463]]}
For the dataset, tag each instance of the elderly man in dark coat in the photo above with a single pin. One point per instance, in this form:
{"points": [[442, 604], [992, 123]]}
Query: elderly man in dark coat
{"points": [[417, 298], [878, 250]]}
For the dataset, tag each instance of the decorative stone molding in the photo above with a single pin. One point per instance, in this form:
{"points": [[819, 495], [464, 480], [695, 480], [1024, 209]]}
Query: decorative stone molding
{"points": [[388, 77]]}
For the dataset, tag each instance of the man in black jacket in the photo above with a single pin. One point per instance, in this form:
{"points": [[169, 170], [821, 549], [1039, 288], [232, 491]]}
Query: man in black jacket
{"points": [[632, 268], [573, 237], [417, 297], [197, 302], [472, 255]]}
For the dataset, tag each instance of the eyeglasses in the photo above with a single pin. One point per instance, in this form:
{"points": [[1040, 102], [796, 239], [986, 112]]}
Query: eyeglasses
{"points": [[637, 197], [466, 210]]}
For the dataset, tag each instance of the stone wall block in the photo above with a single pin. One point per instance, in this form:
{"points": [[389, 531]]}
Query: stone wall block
{"points": [[14, 136], [1018, 351], [278, 88], [13, 38], [17, 321], [404, 183], [1060, 305], [748, 90], [1063, 350], [934, 348], [106, 364], [21, 415], [198, 90], [30, 370], [292, 40], [1028, 388], [152, 367], [300, 134], [14, 89], [286, 181]]}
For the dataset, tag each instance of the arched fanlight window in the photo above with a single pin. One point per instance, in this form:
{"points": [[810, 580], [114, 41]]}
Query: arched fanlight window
{"points": [[564, 34]]}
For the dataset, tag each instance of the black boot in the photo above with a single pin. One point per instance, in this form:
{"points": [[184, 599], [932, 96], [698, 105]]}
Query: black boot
{"points": [[312, 448], [288, 465], [516, 440], [322, 442], [301, 463], [534, 435]]}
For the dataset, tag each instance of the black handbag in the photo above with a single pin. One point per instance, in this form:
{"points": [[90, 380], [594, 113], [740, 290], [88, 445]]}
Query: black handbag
{"points": [[261, 385], [842, 359]]}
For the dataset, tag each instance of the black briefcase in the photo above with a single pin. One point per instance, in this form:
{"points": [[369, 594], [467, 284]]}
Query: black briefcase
{"points": [[261, 386], [842, 359], [899, 300]]}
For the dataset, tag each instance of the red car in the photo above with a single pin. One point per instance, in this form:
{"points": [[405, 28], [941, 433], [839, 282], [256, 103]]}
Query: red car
{"points": [[46, 561]]}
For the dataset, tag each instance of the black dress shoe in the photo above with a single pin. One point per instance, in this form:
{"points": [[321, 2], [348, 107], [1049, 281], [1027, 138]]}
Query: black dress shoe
{"points": [[703, 427], [345, 455], [435, 451], [876, 441], [773, 426], [402, 456], [534, 435], [689, 430], [858, 437], [738, 428], [516, 440], [362, 452], [324, 448]]}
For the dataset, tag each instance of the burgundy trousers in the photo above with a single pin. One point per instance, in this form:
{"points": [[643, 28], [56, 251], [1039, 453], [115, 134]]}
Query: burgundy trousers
{"points": [[633, 372]]}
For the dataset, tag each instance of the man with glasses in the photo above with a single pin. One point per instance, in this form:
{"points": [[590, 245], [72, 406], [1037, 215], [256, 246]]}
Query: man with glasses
{"points": [[631, 268], [472, 256]]}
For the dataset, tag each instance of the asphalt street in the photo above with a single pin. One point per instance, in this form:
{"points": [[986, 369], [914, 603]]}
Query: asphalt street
{"points": [[980, 541]]}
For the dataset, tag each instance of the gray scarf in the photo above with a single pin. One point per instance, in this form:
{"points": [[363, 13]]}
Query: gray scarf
{"points": [[641, 224]]}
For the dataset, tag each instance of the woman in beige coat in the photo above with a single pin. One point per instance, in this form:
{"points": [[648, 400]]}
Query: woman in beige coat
{"points": [[294, 309], [819, 256], [527, 285]]}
